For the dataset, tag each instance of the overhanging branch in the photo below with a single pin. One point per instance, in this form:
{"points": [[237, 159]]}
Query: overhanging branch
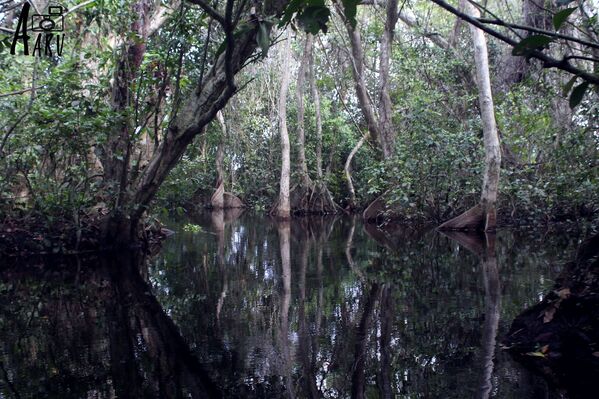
{"points": [[548, 61]]}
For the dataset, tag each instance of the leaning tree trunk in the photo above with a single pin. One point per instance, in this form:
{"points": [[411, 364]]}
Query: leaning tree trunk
{"points": [[198, 109], [282, 209], [484, 215], [351, 204], [217, 201]]}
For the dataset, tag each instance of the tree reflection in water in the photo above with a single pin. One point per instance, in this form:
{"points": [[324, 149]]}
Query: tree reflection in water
{"points": [[309, 309], [92, 329]]}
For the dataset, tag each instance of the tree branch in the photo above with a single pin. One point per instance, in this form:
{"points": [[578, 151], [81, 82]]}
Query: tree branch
{"points": [[548, 62], [536, 30]]}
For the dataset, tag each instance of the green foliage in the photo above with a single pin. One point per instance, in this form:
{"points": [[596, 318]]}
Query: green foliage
{"points": [[530, 44], [561, 17]]}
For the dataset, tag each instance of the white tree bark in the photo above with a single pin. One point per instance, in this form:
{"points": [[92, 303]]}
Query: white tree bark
{"points": [[490, 136], [218, 198], [283, 207]]}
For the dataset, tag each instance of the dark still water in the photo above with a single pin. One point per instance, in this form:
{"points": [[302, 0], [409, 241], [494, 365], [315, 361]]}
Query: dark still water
{"points": [[251, 308]]}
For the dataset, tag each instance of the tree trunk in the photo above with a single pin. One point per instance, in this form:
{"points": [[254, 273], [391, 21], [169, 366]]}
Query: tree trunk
{"points": [[321, 200], [364, 100], [301, 136], [282, 208], [385, 105], [483, 215], [218, 199], [347, 171], [116, 153], [317, 110], [197, 110]]}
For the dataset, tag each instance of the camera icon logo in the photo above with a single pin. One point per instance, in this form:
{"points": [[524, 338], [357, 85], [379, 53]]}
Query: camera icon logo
{"points": [[51, 22]]}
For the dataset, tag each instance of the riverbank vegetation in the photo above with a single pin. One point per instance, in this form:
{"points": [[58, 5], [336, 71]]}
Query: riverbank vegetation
{"points": [[420, 111]]}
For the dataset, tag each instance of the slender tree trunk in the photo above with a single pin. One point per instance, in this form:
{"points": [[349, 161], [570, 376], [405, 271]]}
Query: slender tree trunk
{"points": [[364, 100], [301, 136], [218, 199], [385, 105], [283, 209], [347, 171], [483, 215], [490, 136], [321, 200], [317, 109]]}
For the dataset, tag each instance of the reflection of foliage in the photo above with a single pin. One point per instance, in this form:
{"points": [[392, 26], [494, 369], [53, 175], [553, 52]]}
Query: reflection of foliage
{"points": [[436, 291]]}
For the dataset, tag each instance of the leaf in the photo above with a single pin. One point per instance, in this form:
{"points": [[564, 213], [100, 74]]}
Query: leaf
{"points": [[243, 28], [314, 19], [568, 86], [560, 3], [531, 43], [263, 38], [578, 94], [350, 9], [535, 354], [562, 16], [292, 8]]}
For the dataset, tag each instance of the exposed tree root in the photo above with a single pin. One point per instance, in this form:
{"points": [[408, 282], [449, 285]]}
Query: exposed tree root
{"points": [[378, 210], [217, 201], [471, 220], [279, 211], [224, 200], [474, 219], [314, 199]]}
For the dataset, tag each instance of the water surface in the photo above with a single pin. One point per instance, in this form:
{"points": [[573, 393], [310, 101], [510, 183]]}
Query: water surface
{"points": [[312, 308]]}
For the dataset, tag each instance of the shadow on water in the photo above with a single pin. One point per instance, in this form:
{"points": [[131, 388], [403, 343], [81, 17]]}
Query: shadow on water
{"points": [[248, 307]]}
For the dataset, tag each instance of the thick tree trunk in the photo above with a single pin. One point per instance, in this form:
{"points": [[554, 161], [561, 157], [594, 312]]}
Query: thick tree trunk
{"points": [[195, 111], [116, 153], [483, 215], [283, 208]]}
